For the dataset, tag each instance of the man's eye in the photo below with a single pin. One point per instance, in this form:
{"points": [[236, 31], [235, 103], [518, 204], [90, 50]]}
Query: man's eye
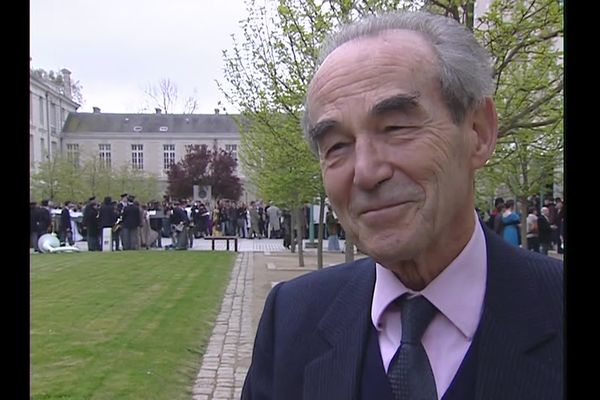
{"points": [[335, 148], [393, 128]]}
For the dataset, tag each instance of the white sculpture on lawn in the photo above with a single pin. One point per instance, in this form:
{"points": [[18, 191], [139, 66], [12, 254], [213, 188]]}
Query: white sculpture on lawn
{"points": [[49, 243]]}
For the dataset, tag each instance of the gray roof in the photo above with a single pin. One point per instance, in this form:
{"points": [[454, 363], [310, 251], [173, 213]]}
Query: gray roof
{"points": [[180, 123]]}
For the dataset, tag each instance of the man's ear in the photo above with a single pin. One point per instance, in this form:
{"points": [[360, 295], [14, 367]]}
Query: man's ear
{"points": [[484, 126]]}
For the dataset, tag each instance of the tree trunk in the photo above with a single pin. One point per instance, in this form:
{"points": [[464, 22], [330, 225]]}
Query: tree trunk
{"points": [[293, 231], [300, 225], [320, 233], [523, 223]]}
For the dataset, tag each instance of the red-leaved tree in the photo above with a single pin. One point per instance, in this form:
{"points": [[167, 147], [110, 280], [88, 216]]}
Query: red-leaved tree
{"points": [[202, 167], [225, 184]]}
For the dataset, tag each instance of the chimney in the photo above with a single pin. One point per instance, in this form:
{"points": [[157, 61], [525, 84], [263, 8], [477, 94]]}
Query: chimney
{"points": [[67, 82], [217, 111], [158, 110], [96, 110]]}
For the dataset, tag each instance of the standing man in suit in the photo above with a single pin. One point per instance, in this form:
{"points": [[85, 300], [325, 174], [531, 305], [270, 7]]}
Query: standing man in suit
{"points": [[91, 223], [132, 221], [400, 114], [64, 231]]}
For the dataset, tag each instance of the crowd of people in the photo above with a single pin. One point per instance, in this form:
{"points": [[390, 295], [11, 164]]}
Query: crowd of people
{"points": [[545, 223], [134, 225]]}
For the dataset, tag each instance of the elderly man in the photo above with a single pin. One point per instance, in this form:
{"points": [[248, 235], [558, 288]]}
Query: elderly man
{"points": [[400, 114]]}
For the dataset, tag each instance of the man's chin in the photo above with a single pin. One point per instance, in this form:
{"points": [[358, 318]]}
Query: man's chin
{"points": [[386, 250]]}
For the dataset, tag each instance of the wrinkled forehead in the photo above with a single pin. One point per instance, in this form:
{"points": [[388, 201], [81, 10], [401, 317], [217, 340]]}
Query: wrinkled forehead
{"points": [[388, 47]]}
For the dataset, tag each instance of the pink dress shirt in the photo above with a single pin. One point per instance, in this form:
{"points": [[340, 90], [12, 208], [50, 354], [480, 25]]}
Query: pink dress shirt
{"points": [[458, 295]]}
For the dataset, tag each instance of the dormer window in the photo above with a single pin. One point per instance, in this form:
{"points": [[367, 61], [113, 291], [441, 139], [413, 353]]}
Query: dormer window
{"points": [[163, 128], [137, 128]]}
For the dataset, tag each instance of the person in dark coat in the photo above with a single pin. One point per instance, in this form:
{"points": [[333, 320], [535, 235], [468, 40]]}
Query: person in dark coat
{"points": [[92, 225], [203, 221], [44, 220], [130, 235], [64, 231], [179, 222], [286, 228], [195, 218], [33, 215], [107, 217]]}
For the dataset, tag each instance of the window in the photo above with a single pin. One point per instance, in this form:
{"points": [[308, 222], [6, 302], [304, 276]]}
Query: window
{"points": [[41, 110], [42, 147], [73, 154], [30, 107], [163, 128], [137, 156], [54, 149], [168, 156], [232, 148], [53, 118], [105, 155]]}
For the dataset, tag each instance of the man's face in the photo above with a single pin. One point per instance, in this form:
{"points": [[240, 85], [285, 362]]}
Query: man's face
{"points": [[395, 167]]}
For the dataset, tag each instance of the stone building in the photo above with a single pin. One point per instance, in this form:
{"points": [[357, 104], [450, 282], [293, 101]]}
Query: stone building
{"points": [[50, 102], [149, 142]]}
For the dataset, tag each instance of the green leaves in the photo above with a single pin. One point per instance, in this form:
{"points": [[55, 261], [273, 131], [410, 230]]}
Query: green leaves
{"points": [[58, 179], [525, 38]]}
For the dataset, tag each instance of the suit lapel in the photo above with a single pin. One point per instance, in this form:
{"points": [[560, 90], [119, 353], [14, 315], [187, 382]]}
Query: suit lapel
{"points": [[514, 321], [335, 374]]}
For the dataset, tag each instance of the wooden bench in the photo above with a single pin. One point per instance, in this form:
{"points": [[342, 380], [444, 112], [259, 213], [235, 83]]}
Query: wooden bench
{"points": [[227, 238]]}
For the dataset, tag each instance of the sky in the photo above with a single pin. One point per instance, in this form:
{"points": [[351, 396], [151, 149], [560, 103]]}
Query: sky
{"points": [[116, 49]]}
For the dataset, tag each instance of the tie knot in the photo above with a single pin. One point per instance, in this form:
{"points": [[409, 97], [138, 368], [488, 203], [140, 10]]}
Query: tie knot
{"points": [[415, 313]]}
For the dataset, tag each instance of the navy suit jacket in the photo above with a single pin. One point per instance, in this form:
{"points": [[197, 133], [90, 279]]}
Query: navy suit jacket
{"points": [[312, 334]]}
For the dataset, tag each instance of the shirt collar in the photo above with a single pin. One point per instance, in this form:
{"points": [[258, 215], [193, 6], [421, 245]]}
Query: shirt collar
{"points": [[457, 292]]}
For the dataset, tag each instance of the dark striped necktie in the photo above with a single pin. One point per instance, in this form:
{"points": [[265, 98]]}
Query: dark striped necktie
{"points": [[409, 373]]}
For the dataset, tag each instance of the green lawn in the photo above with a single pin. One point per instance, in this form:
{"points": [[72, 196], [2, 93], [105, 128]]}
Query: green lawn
{"points": [[122, 325]]}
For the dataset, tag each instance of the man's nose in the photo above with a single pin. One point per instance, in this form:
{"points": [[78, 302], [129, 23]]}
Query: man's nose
{"points": [[370, 164]]}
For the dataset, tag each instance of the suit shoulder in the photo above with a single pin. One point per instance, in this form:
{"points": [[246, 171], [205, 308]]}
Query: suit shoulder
{"points": [[521, 263], [544, 275], [548, 270]]}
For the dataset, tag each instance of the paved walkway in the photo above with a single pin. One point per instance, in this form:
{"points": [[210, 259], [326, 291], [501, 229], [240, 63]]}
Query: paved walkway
{"points": [[228, 354], [227, 357]]}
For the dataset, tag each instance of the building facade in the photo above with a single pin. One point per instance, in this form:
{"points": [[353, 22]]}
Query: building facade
{"points": [[148, 142], [49, 106]]}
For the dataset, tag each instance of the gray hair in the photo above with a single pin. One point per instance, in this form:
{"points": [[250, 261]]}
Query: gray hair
{"points": [[464, 66]]}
